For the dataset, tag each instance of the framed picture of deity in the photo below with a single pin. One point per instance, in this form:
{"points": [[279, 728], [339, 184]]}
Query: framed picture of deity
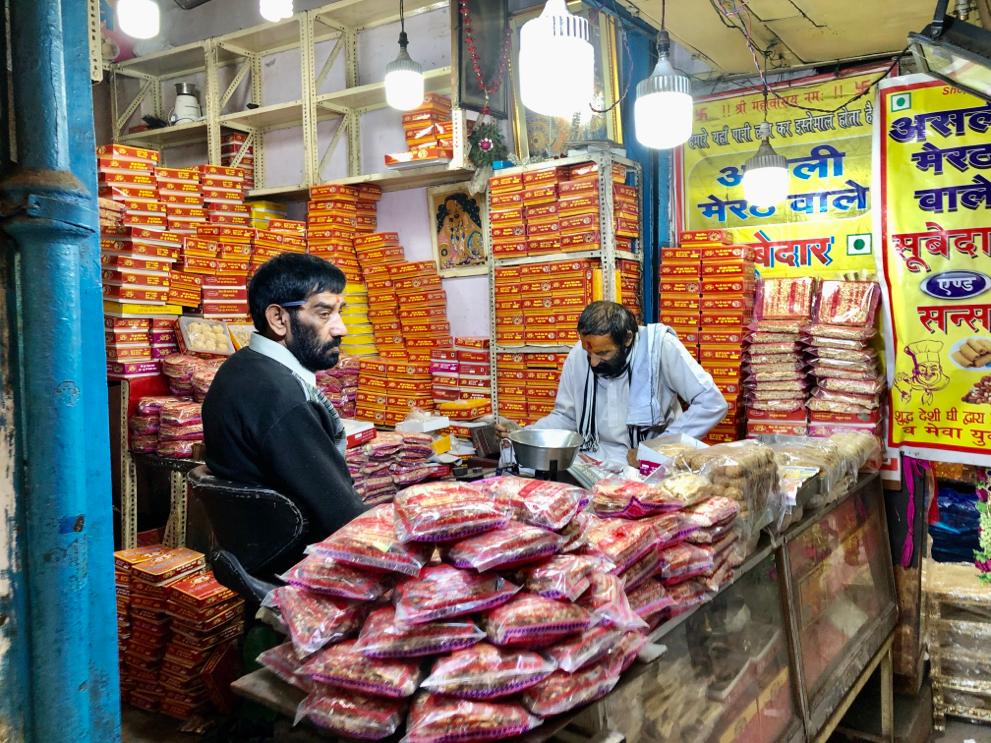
{"points": [[456, 227]]}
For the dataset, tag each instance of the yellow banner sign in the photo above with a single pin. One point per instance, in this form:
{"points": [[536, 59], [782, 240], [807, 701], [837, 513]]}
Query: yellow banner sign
{"points": [[823, 228], [935, 227]]}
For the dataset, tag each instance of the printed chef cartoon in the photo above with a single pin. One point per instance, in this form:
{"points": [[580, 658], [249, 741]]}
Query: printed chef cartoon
{"points": [[927, 374]]}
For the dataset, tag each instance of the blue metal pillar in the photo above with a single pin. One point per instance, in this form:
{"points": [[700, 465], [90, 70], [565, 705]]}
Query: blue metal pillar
{"points": [[48, 213], [104, 674]]}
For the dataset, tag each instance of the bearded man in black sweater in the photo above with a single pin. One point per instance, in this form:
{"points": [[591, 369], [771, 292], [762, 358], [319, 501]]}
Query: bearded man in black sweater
{"points": [[264, 420]]}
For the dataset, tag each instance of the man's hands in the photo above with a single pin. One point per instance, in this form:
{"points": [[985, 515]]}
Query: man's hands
{"points": [[631, 458], [501, 430]]}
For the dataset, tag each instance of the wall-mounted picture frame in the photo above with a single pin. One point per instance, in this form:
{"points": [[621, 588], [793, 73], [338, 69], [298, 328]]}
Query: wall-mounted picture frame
{"points": [[489, 21], [540, 137], [457, 220]]}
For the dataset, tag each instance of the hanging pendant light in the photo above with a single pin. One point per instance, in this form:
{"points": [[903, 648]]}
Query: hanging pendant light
{"points": [[663, 111], [275, 10], [403, 76], [765, 176], [557, 62], [139, 19]]}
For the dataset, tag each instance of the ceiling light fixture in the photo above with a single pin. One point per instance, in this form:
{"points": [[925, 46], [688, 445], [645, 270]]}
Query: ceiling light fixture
{"points": [[663, 111], [956, 52], [139, 19], [275, 10], [557, 62], [766, 176], [403, 76]]}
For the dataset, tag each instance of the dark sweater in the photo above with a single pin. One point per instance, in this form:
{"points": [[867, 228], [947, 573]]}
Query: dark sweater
{"points": [[259, 428]]}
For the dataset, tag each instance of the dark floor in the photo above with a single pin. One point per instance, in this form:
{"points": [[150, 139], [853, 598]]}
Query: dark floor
{"points": [[958, 731]]}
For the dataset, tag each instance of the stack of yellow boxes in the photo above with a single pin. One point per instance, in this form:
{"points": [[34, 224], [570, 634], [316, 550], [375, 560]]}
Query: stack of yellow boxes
{"points": [[360, 340], [263, 213]]}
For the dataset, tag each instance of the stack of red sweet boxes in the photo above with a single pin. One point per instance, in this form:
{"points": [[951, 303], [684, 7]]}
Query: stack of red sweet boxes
{"points": [[179, 189], [463, 372], [428, 130], [331, 227], [390, 389], [630, 283], [225, 295], [680, 294], [422, 308], [366, 214], [527, 384], [223, 195], [206, 620], [231, 144]]}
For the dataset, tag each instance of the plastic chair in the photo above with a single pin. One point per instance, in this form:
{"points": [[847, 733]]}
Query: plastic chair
{"points": [[259, 533]]}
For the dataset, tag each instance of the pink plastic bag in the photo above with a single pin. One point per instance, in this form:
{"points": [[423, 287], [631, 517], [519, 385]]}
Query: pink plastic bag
{"points": [[443, 591], [343, 666], [649, 599], [284, 663], [592, 645], [640, 571], [314, 621], [437, 719], [561, 692], [351, 715], [445, 512], [550, 505], [682, 562], [671, 528], [633, 500], [607, 603], [487, 672], [516, 544], [621, 541], [323, 575], [384, 637], [370, 541], [712, 512], [534, 621], [563, 577]]}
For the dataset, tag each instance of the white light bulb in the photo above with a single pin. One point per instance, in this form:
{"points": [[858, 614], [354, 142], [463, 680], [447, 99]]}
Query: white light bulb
{"points": [[664, 109], [139, 19], [275, 10], [404, 89], [766, 187], [557, 62]]}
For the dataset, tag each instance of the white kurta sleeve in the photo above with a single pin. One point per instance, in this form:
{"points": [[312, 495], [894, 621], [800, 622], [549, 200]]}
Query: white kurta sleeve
{"points": [[693, 384], [565, 413]]}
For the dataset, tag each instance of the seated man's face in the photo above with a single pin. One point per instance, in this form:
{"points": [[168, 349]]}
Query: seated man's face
{"points": [[316, 330]]}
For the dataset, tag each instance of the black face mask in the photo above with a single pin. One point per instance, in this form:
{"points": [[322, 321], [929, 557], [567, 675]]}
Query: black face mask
{"points": [[307, 348], [615, 366]]}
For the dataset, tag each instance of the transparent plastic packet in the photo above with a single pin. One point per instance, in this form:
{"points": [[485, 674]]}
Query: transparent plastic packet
{"points": [[687, 595], [351, 715], [712, 534], [819, 341], [438, 719], [761, 358], [670, 529], [561, 691], [801, 451], [592, 645], [445, 512], [607, 603], [784, 352], [563, 577], [549, 505], [180, 412], [865, 356], [144, 444], [485, 672], [861, 449], [712, 512], [325, 576], [626, 651], [514, 545], [284, 663], [385, 445], [382, 636], [444, 591], [620, 541], [649, 599], [640, 571], [854, 386], [819, 405], [314, 621], [784, 299], [841, 332], [177, 449], [867, 402], [684, 562], [867, 373], [852, 303], [370, 541], [617, 497], [144, 425], [534, 621], [152, 405], [343, 666]]}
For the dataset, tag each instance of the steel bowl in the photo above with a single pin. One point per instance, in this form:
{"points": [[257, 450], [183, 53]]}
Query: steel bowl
{"points": [[545, 450]]}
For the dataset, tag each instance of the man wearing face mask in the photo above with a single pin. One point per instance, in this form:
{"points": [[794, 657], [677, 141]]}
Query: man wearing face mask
{"points": [[264, 420], [622, 384]]}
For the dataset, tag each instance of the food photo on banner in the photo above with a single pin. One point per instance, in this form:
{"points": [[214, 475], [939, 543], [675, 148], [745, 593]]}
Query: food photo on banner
{"points": [[934, 220]]}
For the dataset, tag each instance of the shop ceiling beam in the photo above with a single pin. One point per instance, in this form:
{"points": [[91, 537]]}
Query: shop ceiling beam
{"points": [[49, 214], [242, 72]]}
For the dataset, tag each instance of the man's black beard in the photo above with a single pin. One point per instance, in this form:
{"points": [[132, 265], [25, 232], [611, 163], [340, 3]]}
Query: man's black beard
{"points": [[308, 350], [614, 367]]}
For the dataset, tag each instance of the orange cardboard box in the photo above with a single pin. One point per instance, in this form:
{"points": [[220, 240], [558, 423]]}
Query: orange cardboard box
{"points": [[722, 337], [128, 154], [129, 278], [543, 245], [126, 294], [510, 249], [679, 271], [116, 166], [579, 190], [729, 319], [130, 178], [725, 303], [411, 269], [559, 269], [131, 194], [737, 286], [508, 217], [580, 223], [726, 271], [537, 304], [725, 354], [502, 184], [727, 253], [680, 303], [624, 193], [542, 176], [502, 201], [679, 319], [514, 232], [551, 336], [535, 196], [123, 263], [543, 229], [580, 241], [706, 237], [541, 213], [579, 205], [681, 255]]}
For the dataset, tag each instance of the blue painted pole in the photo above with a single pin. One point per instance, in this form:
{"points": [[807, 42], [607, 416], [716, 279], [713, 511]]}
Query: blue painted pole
{"points": [[104, 682], [48, 213]]}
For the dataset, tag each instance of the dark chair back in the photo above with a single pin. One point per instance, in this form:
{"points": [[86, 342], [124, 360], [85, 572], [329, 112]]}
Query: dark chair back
{"points": [[262, 529]]}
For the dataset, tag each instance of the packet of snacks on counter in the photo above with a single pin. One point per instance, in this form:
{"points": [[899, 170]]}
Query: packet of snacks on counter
{"points": [[516, 544], [370, 541], [852, 303], [628, 650], [648, 599], [437, 719], [152, 405], [445, 512], [284, 663], [384, 637], [351, 715], [640, 571], [549, 505], [573, 535], [178, 449], [180, 413], [443, 591], [563, 577], [590, 646], [686, 595], [562, 691], [684, 562], [784, 299], [620, 541], [534, 621], [860, 449], [617, 497], [712, 512], [487, 672], [344, 666], [322, 575], [607, 603], [314, 621]]}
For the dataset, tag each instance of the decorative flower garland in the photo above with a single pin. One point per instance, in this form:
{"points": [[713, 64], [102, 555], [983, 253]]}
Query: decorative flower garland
{"points": [[982, 556], [491, 88]]}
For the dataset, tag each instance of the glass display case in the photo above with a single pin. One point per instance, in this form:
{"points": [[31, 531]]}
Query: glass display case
{"points": [[724, 673], [842, 596]]}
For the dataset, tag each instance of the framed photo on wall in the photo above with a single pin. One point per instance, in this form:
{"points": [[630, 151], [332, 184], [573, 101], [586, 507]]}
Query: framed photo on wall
{"points": [[540, 137], [456, 220], [489, 21]]}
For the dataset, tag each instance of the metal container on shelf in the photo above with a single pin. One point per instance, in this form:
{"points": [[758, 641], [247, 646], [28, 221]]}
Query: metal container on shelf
{"points": [[545, 450]]}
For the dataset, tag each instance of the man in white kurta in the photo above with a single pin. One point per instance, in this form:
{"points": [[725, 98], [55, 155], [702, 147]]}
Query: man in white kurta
{"points": [[622, 384]]}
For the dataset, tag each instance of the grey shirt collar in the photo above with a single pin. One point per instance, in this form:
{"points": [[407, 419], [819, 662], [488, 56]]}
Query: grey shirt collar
{"points": [[278, 352]]}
